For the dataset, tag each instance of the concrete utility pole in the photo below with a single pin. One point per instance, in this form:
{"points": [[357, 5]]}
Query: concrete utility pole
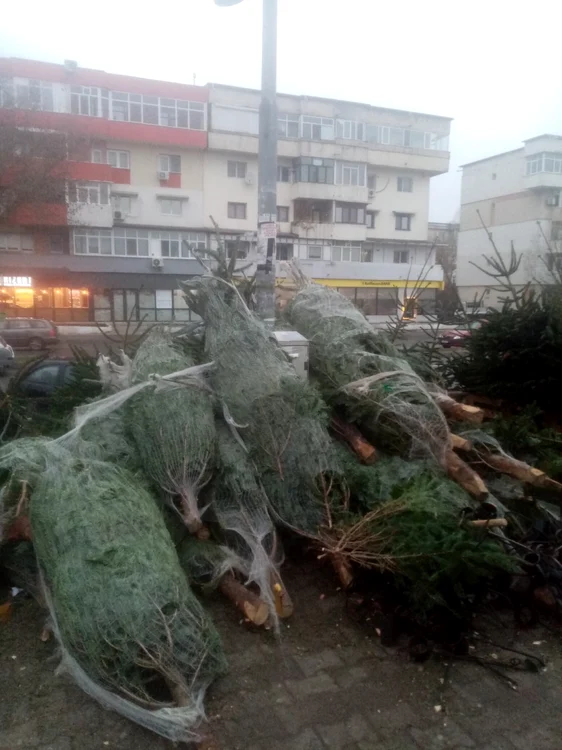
{"points": [[267, 164]]}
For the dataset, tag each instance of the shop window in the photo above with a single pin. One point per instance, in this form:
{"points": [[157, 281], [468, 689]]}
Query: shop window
{"points": [[387, 302], [366, 300]]}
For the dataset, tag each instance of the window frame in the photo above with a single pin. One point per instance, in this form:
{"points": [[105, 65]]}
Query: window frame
{"points": [[281, 171], [237, 169], [282, 214], [400, 219], [95, 193], [398, 257], [372, 216], [119, 158], [287, 122], [405, 184], [171, 203], [353, 213], [169, 159], [234, 208], [157, 110]]}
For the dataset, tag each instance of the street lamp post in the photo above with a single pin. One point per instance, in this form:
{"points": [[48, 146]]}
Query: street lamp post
{"points": [[267, 164]]}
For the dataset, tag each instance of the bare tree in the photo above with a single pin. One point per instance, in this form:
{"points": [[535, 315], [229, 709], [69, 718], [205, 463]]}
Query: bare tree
{"points": [[33, 170]]}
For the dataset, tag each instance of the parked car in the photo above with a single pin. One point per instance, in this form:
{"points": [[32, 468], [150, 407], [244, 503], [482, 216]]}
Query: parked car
{"points": [[37, 382], [7, 357], [459, 336], [29, 333]]}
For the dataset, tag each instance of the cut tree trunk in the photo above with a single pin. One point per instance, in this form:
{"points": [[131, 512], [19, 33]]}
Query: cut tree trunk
{"points": [[459, 443], [464, 475], [252, 607], [343, 569], [489, 523], [366, 452], [459, 412], [522, 471], [283, 602]]}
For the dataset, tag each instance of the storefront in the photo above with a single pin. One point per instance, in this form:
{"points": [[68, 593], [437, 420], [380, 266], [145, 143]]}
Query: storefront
{"points": [[385, 298], [20, 296]]}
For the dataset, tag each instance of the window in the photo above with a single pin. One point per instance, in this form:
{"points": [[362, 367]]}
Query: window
{"points": [[372, 181], [544, 163], [350, 173], [314, 170], [130, 242], [92, 241], [288, 126], [236, 210], [169, 163], [171, 206], [371, 218], [239, 248], [314, 252], [346, 252], [58, 243], [554, 262], [350, 129], [89, 100], [122, 203], [282, 213], [283, 173], [414, 138], [154, 110], [181, 244], [97, 156], [236, 168], [283, 251], [317, 128], [349, 213], [401, 256], [403, 222], [405, 184], [15, 243], [27, 94], [96, 193], [119, 159], [367, 253]]}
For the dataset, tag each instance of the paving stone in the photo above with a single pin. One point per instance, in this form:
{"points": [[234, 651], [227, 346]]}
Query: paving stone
{"points": [[400, 716], [326, 659], [399, 742], [320, 683], [350, 676], [342, 735], [306, 740], [538, 738]]}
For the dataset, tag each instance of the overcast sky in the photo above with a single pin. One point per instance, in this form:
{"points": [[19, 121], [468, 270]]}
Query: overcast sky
{"points": [[492, 65]]}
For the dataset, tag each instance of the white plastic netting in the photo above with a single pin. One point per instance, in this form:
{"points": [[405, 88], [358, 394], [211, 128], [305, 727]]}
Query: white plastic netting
{"points": [[360, 371]]}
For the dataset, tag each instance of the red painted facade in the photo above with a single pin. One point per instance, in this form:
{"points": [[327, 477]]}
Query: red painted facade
{"points": [[40, 214], [14, 66]]}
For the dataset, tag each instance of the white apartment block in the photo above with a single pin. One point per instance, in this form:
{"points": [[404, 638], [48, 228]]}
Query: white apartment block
{"points": [[160, 159], [518, 197]]}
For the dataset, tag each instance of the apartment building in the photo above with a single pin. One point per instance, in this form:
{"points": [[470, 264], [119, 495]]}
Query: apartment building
{"points": [[161, 162], [517, 197]]}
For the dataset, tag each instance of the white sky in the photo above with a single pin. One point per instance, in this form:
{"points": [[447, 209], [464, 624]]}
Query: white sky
{"points": [[495, 66]]}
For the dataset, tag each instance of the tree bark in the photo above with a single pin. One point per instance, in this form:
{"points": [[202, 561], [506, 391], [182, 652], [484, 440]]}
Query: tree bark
{"points": [[464, 475], [252, 607], [522, 471], [343, 569], [459, 412], [365, 452], [459, 443]]}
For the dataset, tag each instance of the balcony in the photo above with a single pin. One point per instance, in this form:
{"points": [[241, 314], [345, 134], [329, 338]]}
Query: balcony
{"points": [[319, 191]]}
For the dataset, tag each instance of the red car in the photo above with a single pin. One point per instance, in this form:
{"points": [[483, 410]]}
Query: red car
{"points": [[459, 336]]}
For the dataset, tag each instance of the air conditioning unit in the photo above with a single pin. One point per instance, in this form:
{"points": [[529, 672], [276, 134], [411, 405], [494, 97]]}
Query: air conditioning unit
{"points": [[157, 263], [118, 216], [552, 200], [164, 176], [249, 179]]}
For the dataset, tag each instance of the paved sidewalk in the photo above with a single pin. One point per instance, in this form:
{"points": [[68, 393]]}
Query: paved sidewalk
{"points": [[327, 684]]}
